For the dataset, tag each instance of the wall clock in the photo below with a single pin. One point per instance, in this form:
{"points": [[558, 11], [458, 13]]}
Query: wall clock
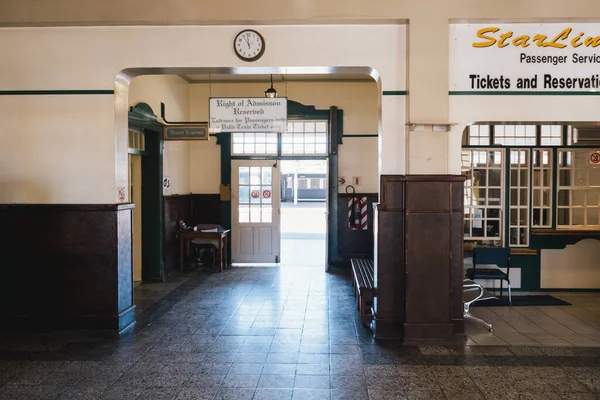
{"points": [[249, 45]]}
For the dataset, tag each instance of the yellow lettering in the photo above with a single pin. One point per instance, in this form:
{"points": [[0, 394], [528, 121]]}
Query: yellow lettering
{"points": [[540, 40], [575, 42], [489, 41], [503, 38], [592, 41], [561, 36], [522, 41]]}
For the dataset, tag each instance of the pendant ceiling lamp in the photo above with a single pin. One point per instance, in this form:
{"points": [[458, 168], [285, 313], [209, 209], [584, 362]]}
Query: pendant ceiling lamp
{"points": [[271, 92]]}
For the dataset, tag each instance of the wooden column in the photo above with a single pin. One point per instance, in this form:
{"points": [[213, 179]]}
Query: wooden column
{"points": [[419, 257]]}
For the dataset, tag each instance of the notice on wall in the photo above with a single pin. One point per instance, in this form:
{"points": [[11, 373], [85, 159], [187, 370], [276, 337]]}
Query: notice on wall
{"points": [[258, 114], [552, 57], [166, 186]]}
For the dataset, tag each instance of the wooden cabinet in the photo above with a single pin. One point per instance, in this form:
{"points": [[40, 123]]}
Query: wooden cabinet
{"points": [[419, 257]]}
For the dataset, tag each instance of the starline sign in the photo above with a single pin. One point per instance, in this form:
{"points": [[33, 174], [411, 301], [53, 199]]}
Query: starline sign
{"points": [[526, 57]]}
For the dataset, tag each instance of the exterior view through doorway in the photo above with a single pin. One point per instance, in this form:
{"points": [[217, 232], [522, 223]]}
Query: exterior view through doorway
{"points": [[304, 213]]}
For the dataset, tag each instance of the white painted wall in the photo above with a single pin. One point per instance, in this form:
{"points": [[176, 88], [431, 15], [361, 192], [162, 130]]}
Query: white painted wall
{"points": [[87, 58], [576, 266], [174, 92], [57, 149]]}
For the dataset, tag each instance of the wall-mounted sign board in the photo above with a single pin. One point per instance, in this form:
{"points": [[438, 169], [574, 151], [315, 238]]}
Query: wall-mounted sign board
{"points": [[535, 57], [247, 114], [186, 132]]}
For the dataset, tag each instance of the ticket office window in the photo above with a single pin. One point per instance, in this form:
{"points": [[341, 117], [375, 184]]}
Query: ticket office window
{"points": [[548, 185], [578, 195], [483, 194]]}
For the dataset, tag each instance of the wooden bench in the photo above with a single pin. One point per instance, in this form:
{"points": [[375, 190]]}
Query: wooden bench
{"points": [[364, 286]]}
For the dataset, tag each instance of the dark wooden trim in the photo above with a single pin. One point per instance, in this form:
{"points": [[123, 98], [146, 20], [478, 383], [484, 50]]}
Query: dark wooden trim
{"points": [[565, 232], [53, 92], [71, 207]]}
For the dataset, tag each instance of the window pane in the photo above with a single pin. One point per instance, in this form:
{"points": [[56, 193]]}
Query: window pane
{"points": [[255, 176], [244, 194], [266, 175], [267, 214], [244, 175], [479, 177], [244, 213], [563, 216], [578, 197], [260, 148], [563, 198], [271, 148], [592, 216], [514, 236], [493, 228], [255, 194], [238, 148], [321, 126], [564, 178], [537, 197], [495, 176], [255, 214], [267, 194], [593, 197], [546, 216], [578, 216], [494, 196], [546, 198]]}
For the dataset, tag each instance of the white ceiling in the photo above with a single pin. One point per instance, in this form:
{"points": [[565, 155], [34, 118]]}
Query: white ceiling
{"points": [[205, 78]]}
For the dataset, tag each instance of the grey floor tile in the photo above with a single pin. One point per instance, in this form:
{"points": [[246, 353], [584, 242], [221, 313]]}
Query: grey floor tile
{"points": [[273, 394], [311, 394]]}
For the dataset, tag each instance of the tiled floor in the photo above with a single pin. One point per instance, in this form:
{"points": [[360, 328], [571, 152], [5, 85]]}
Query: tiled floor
{"points": [[283, 333], [574, 325]]}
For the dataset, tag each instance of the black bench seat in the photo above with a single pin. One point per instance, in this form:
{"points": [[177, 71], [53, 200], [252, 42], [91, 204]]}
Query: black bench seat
{"points": [[363, 282]]}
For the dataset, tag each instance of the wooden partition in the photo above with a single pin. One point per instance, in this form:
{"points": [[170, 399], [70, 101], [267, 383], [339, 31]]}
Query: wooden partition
{"points": [[418, 257]]}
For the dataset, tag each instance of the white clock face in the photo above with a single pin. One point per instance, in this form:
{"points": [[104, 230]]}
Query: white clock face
{"points": [[249, 45]]}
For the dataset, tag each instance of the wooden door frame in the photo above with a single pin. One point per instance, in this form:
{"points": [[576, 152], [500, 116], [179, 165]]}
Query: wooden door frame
{"points": [[334, 118], [143, 118]]}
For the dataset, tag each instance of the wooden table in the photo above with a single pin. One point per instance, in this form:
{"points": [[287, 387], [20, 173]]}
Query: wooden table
{"points": [[185, 236]]}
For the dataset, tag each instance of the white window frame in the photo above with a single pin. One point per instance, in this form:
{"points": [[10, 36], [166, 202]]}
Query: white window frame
{"points": [[537, 191], [479, 135], [305, 142], [574, 187], [515, 135], [246, 144], [522, 164], [469, 208], [551, 135]]}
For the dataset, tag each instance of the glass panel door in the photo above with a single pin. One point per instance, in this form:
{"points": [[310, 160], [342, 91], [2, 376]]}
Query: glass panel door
{"points": [[255, 204]]}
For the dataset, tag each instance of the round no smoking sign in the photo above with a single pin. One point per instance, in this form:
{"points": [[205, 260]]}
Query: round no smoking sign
{"points": [[255, 194], [595, 158]]}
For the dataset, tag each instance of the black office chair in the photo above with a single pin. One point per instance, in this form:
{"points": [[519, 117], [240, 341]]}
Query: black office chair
{"points": [[493, 258]]}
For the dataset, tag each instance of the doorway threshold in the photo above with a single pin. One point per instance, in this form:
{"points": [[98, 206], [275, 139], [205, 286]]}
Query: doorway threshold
{"points": [[246, 265]]}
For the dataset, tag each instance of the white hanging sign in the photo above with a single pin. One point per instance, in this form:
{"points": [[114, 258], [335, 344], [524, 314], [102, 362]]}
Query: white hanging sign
{"points": [[247, 114], [550, 57]]}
